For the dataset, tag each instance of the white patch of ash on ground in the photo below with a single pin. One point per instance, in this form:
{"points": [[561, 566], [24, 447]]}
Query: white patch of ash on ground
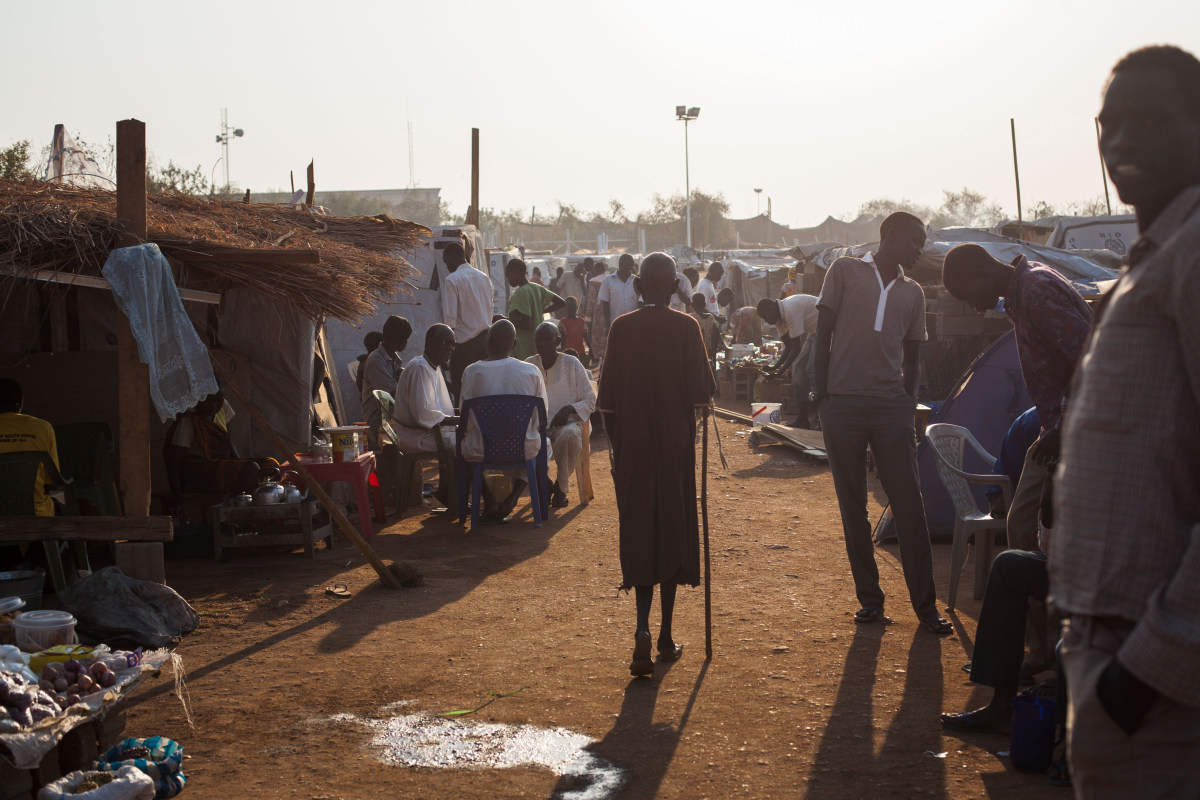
{"points": [[422, 740]]}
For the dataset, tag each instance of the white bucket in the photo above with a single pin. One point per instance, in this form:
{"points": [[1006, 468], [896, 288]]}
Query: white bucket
{"points": [[765, 413]]}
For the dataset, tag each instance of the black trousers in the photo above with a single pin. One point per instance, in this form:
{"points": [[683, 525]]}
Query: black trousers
{"points": [[465, 354], [1017, 577], [887, 424]]}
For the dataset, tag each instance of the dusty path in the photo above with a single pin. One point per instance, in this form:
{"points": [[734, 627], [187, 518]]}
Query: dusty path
{"points": [[798, 701]]}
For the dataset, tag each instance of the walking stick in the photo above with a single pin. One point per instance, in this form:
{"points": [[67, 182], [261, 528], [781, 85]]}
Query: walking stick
{"points": [[707, 562]]}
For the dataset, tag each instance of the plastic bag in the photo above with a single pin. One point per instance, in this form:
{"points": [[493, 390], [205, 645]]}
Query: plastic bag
{"points": [[129, 783], [163, 764], [112, 607]]}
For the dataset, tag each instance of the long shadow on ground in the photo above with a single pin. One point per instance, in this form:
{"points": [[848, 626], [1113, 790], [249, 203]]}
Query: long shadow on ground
{"points": [[635, 742], [847, 762]]}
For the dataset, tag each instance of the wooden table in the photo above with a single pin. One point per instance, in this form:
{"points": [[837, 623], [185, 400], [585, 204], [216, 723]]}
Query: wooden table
{"points": [[300, 513], [357, 473]]}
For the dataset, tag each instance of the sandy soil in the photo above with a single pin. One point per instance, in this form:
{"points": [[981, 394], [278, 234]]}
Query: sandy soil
{"points": [[797, 701]]}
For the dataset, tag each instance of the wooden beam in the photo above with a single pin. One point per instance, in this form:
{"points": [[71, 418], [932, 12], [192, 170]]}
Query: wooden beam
{"points": [[133, 381], [88, 529], [243, 255], [473, 211], [312, 186], [93, 282]]}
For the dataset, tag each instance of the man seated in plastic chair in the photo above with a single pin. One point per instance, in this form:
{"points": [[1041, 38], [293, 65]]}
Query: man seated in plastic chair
{"points": [[423, 403], [499, 373], [572, 401], [20, 432]]}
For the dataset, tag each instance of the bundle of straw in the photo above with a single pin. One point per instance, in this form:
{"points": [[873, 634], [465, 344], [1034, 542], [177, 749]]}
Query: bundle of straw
{"points": [[361, 259]]}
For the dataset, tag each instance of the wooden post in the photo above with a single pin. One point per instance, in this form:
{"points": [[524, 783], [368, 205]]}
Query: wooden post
{"points": [[473, 213], [1012, 124], [312, 186], [133, 381], [1103, 169]]}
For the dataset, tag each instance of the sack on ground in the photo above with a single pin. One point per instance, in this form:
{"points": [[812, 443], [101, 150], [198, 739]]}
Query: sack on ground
{"points": [[113, 608], [127, 783]]}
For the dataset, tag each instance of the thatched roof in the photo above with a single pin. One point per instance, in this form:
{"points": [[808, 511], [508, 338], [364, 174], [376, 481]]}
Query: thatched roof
{"points": [[323, 266]]}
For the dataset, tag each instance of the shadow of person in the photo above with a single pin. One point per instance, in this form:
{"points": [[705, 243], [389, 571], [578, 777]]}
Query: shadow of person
{"points": [[848, 743], [638, 745], [848, 746]]}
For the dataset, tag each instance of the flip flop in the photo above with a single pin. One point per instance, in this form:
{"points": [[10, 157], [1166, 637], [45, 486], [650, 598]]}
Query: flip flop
{"points": [[337, 590], [971, 721]]}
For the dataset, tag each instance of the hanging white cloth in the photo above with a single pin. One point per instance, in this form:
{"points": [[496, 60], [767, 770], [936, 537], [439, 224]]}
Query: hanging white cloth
{"points": [[145, 292]]}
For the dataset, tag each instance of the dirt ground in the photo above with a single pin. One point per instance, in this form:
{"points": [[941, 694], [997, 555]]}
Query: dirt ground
{"points": [[798, 701]]}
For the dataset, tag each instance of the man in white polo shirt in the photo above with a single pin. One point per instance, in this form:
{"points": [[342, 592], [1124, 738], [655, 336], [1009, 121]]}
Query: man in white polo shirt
{"points": [[467, 303], [870, 326]]}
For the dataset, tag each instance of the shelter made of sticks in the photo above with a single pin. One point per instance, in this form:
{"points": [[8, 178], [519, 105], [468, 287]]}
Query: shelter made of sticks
{"points": [[258, 282]]}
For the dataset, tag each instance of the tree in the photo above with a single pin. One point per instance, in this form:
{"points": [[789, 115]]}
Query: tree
{"points": [[882, 206], [174, 179], [969, 209], [16, 162]]}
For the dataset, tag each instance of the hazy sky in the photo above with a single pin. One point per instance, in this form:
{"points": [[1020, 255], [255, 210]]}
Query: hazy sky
{"points": [[822, 105]]}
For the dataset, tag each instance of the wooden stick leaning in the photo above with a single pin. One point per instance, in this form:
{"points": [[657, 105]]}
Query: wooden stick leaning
{"points": [[707, 563], [335, 513]]}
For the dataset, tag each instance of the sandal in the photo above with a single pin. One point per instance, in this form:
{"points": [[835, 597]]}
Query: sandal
{"points": [[338, 590], [868, 614], [973, 721]]}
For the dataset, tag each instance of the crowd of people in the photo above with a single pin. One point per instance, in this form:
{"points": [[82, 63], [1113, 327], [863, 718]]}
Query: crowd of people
{"points": [[1101, 583]]}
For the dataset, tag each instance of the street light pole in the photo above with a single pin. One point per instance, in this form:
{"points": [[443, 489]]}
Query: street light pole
{"points": [[687, 115]]}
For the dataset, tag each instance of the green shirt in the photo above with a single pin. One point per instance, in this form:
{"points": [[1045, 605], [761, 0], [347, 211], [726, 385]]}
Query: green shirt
{"points": [[529, 299]]}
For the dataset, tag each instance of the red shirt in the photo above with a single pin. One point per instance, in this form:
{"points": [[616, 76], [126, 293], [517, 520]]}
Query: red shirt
{"points": [[572, 329]]}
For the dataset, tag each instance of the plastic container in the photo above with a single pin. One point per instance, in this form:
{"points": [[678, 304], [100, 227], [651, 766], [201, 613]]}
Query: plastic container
{"points": [[8, 605], [38, 630], [1033, 721], [765, 413], [345, 442], [26, 584]]}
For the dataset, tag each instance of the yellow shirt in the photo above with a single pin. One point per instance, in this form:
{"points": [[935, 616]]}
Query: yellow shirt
{"points": [[23, 432]]}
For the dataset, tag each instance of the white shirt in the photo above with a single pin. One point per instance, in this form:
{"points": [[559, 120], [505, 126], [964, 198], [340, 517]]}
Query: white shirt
{"points": [[798, 314], [506, 376], [686, 285], [619, 294], [422, 402], [467, 302], [705, 287], [567, 384]]}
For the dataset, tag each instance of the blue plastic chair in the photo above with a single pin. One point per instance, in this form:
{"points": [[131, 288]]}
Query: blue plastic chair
{"points": [[503, 420]]}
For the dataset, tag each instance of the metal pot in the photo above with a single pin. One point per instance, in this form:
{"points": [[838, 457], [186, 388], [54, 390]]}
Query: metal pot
{"points": [[294, 495], [270, 492], [241, 500]]}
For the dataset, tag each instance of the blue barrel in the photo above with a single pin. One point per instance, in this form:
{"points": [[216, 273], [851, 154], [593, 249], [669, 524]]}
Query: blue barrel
{"points": [[1033, 724]]}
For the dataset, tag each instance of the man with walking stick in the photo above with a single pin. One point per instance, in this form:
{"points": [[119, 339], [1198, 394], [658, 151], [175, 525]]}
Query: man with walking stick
{"points": [[656, 378]]}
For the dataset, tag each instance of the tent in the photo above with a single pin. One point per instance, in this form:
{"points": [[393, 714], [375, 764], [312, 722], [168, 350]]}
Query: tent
{"points": [[928, 269], [986, 400]]}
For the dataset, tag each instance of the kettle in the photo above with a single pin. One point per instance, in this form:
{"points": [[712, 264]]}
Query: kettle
{"points": [[294, 495], [270, 491]]}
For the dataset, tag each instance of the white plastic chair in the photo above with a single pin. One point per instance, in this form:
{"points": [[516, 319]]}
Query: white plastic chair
{"points": [[947, 442]]}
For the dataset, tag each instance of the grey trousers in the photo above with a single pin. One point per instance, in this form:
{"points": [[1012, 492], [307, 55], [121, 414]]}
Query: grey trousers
{"points": [[1023, 534], [1160, 760], [886, 424]]}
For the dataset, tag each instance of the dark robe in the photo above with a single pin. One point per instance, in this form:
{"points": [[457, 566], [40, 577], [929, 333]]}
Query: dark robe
{"points": [[655, 375]]}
